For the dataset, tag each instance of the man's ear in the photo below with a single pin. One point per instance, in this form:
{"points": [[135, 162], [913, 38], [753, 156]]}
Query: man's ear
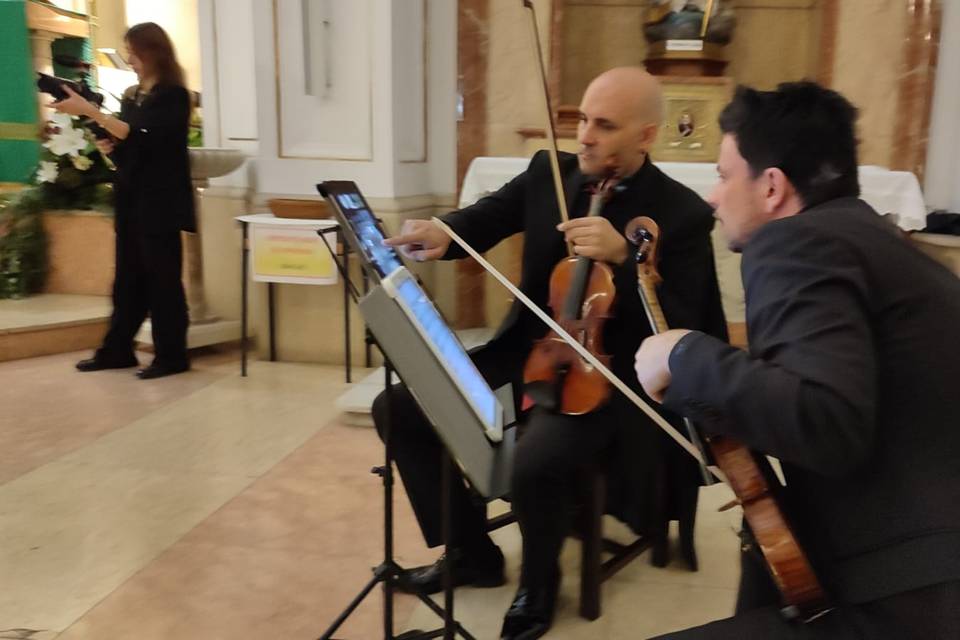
{"points": [[648, 136], [777, 189]]}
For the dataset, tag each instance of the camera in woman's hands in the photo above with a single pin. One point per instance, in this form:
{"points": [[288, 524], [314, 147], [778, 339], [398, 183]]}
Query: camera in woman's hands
{"points": [[54, 86]]}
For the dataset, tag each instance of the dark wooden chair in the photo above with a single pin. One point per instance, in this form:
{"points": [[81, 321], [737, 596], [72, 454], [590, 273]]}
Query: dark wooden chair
{"points": [[588, 527], [594, 570]]}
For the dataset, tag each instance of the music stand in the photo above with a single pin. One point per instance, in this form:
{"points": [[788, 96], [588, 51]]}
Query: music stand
{"points": [[451, 406]]}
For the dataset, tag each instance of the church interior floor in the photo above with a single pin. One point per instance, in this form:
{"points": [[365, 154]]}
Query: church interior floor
{"points": [[207, 505]]}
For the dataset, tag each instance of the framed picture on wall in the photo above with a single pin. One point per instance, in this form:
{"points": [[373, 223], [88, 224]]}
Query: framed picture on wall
{"points": [[690, 132]]}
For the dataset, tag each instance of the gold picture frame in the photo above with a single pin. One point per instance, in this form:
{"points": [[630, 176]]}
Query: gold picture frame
{"points": [[690, 132]]}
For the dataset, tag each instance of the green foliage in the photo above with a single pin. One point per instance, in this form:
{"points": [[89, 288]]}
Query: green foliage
{"points": [[23, 244], [74, 192], [195, 133]]}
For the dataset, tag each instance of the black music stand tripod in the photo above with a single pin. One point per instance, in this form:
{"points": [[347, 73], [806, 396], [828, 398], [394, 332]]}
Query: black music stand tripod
{"points": [[388, 571]]}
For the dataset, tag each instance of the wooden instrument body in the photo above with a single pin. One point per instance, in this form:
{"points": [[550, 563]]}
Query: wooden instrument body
{"points": [[581, 294], [803, 597]]}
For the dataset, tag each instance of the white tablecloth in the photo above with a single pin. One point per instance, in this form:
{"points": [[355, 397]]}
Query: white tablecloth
{"points": [[886, 191], [270, 219]]}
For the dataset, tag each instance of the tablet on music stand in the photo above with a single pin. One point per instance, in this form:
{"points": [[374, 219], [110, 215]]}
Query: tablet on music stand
{"points": [[447, 349], [360, 227], [466, 415]]}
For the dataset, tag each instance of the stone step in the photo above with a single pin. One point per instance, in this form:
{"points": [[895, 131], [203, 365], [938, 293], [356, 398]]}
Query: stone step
{"points": [[51, 323]]}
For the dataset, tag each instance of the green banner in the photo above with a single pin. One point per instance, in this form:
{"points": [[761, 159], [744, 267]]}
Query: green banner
{"points": [[19, 147], [18, 159]]}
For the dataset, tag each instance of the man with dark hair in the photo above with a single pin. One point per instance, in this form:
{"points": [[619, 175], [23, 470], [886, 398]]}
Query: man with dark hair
{"points": [[620, 114], [849, 380]]}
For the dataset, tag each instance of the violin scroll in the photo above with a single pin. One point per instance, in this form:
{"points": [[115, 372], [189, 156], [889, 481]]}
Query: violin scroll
{"points": [[644, 234]]}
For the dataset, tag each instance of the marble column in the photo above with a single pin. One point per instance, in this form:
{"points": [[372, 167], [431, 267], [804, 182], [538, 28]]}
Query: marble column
{"points": [[918, 74], [472, 55], [193, 264]]}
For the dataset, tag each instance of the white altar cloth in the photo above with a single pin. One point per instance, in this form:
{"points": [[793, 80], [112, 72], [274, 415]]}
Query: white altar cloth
{"points": [[886, 191]]}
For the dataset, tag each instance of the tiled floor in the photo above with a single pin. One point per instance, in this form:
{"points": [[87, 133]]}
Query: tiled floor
{"points": [[208, 506], [639, 602]]}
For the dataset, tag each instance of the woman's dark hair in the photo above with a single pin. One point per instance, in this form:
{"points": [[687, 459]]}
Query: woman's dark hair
{"points": [[805, 130], [152, 45]]}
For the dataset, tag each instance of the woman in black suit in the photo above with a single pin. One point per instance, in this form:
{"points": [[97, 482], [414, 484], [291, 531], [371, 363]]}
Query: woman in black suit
{"points": [[153, 200]]}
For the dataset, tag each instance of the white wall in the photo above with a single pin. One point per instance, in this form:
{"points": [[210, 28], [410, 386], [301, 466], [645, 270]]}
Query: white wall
{"points": [[334, 121], [110, 25], [424, 96], [410, 80], [387, 118], [442, 96], [281, 114], [228, 58], [942, 182], [179, 19]]}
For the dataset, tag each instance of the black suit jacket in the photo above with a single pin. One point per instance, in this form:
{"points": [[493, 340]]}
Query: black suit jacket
{"points": [[851, 381], [152, 183], [690, 296]]}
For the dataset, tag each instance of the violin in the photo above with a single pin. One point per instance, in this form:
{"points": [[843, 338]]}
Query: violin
{"points": [[747, 474], [581, 295]]}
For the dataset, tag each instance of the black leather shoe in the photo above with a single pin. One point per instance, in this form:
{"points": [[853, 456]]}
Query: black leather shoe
{"points": [[466, 571], [97, 364], [159, 370], [531, 613]]}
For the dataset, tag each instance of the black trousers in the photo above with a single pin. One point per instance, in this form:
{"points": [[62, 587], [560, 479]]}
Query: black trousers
{"points": [[931, 613], [147, 279], [550, 452]]}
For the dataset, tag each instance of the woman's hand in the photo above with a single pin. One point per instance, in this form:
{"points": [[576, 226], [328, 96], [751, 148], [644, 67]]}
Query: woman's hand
{"points": [[74, 104], [105, 146]]}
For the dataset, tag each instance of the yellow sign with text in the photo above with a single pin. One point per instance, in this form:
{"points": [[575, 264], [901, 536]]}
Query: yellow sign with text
{"points": [[294, 255]]}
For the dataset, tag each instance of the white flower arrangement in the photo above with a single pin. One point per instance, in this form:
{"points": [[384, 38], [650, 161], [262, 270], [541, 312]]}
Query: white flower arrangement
{"points": [[66, 140], [47, 172], [72, 173]]}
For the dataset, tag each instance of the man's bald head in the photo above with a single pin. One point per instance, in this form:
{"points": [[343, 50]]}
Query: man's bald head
{"points": [[620, 115], [633, 87]]}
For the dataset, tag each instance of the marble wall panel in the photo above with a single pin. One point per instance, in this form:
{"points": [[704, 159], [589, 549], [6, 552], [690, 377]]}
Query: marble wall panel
{"points": [[941, 188], [597, 37], [473, 52], [775, 41], [514, 86], [867, 69], [774, 44], [918, 72]]}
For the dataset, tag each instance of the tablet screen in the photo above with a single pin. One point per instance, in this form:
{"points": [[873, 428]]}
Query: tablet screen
{"points": [[449, 351], [362, 227]]}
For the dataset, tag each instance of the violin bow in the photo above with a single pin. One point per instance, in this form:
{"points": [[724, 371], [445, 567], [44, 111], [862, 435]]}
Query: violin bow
{"points": [[552, 150], [706, 19]]}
